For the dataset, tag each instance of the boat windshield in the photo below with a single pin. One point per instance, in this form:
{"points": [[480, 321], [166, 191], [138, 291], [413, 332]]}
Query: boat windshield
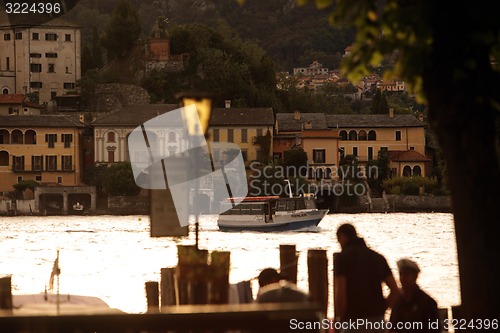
{"points": [[256, 208], [289, 204]]}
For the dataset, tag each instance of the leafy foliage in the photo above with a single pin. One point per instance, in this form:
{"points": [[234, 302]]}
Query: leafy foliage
{"points": [[25, 184], [122, 31], [119, 180]]}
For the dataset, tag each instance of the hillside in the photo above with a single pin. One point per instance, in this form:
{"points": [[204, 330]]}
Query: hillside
{"points": [[291, 36]]}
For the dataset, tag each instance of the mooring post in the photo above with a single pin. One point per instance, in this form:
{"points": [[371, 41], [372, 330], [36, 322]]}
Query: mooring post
{"points": [[288, 262], [317, 265], [6, 293], [220, 277], [153, 296], [168, 294], [192, 275]]}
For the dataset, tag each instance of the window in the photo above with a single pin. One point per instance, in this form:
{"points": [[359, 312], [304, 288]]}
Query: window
{"points": [[67, 37], [412, 148], [370, 153], [407, 171], [230, 135], [111, 137], [342, 153], [362, 136], [13, 111], [372, 135], [50, 36], [67, 139], [215, 133], [353, 135], [244, 135], [5, 91], [19, 35], [417, 170], [35, 36], [53, 94], [343, 135], [355, 151], [50, 55], [4, 158], [69, 85], [51, 163], [19, 179], [35, 55], [6, 36], [398, 135], [59, 180], [18, 163], [38, 178], [111, 156], [36, 163], [17, 137], [51, 139], [66, 162], [7, 63], [35, 68], [36, 85], [259, 132], [318, 156], [52, 68]]}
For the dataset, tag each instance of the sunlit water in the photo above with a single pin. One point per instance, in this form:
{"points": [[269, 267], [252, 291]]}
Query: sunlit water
{"points": [[112, 256]]}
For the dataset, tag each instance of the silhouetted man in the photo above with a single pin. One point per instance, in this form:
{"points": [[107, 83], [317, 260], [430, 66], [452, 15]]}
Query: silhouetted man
{"points": [[275, 290], [415, 307], [359, 273]]}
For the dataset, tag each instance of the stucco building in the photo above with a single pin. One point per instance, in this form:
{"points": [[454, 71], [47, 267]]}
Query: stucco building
{"points": [[43, 60]]}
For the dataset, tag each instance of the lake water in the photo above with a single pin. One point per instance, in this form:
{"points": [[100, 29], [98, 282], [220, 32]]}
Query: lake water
{"points": [[111, 257]]}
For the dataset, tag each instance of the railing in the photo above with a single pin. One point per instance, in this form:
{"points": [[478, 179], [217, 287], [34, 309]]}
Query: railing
{"points": [[29, 168], [184, 318]]}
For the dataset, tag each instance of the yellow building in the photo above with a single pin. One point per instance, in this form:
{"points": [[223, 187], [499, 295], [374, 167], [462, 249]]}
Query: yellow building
{"points": [[365, 135], [241, 126], [44, 148], [39, 59]]}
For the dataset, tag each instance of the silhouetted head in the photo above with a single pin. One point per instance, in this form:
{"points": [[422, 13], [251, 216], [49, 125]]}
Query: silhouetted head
{"points": [[345, 233], [408, 274], [268, 276]]}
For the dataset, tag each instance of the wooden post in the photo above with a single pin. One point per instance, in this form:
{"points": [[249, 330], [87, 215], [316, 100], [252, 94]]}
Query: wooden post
{"points": [[220, 277], [288, 262], [168, 294], [192, 275], [335, 256], [6, 293], [317, 265], [153, 296]]}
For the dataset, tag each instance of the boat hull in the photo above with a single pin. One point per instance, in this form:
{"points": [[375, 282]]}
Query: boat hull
{"points": [[280, 222]]}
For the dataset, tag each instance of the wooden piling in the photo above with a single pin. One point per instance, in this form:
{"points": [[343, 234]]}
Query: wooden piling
{"points": [[153, 296], [219, 268], [192, 275], [6, 293], [317, 265], [168, 293], [288, 262], [335, 256]]}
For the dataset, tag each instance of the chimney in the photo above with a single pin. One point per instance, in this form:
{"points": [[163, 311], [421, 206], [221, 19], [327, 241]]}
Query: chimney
{"points": [[421, 117], [227, 103], [296, 115], [391, 113]]}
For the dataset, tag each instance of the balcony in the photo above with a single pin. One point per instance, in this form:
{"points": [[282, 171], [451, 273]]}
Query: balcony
{"points": [[7, 73]]}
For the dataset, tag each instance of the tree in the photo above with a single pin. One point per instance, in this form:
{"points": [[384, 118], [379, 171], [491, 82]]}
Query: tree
{"points": [[379, 103], [295, 159], [119, 180], [122, 31], [449, 64], [96, 49]]}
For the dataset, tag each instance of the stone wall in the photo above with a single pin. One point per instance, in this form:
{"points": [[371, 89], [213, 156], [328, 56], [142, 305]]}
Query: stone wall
{"points": [[112, 96], [419, 203], [128, 205]]}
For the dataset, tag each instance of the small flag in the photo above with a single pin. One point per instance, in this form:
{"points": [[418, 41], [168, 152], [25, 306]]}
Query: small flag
{"points": [[55, 271]]}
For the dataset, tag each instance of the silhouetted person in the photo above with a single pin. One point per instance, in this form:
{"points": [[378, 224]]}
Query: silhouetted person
{"points": [[359, 273], [275, 290], [415, 306]]}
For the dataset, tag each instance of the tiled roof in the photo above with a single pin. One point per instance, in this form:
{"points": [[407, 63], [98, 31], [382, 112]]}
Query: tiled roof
{"points": [[242, 116], [406, 156], [38, 121], [30, 20], [372, 121], [11, 98], [287, 122], [134, 115]]}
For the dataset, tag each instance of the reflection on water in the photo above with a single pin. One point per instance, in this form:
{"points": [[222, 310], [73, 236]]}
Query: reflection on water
{"points": [[112, 256]]}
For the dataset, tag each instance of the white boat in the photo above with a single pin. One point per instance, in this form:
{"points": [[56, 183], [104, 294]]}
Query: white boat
{"points": [[78, 206], [270, 213]]}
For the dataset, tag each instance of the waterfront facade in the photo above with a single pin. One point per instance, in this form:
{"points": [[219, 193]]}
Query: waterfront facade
{"points": [[42, 60], [45, 149]]}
